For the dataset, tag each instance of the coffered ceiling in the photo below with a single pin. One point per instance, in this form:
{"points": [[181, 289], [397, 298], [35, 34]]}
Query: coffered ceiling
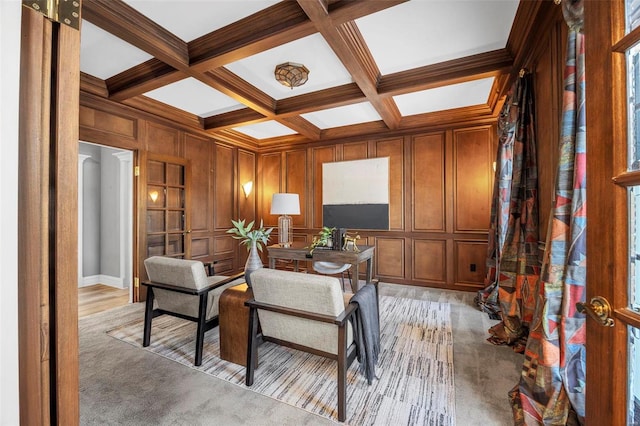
{"points": [[375, 65]]}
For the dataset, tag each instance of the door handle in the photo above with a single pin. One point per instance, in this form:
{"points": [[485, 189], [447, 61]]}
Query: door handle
{"points": [[188, 231], [599, 309]]}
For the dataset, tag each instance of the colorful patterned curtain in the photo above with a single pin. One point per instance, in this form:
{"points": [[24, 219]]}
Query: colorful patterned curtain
{"points": [[512, 261], [551, 390]]}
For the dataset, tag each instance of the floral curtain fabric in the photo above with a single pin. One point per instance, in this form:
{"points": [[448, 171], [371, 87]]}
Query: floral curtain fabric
{"points": [[512, 264], [551, 390]]}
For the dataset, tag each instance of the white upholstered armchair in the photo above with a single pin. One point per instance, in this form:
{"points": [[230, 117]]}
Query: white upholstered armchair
{"points": [[306, 312], [181, 288]]}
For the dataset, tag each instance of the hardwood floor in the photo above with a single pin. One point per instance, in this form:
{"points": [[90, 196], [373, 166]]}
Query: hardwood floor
{"points": [[100, 297]]}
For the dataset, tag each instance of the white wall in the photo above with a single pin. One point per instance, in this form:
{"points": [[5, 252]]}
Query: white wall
{"points": [[9, 81]]}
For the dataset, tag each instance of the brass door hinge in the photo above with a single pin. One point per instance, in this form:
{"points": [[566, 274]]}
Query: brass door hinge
{"points": [[136, 282], [63, 11], [136, 171]]}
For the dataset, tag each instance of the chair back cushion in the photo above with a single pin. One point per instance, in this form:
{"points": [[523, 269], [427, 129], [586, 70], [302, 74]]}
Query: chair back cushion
{"points": [[306, 292], [178, 272], [184, 273]]}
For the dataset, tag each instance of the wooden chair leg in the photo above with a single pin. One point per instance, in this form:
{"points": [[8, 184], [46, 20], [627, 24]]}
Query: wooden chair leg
{"points": [[202, 319], [252, 346], [342, 373], [148, 317]]}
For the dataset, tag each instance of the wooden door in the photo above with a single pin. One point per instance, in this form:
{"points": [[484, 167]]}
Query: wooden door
{"points": [[613, 236], [47, 224], [166, 201]]}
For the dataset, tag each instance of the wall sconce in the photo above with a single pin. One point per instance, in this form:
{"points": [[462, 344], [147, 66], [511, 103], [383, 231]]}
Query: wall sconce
{"points": [[285, 204], [153, 195], [247, 187]]}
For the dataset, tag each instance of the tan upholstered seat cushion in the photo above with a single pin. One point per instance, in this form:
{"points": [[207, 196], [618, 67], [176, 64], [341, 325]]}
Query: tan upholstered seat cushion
{"points": [[307, 292]]}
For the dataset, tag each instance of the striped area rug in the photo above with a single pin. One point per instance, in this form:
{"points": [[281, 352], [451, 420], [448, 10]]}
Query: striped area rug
{"points": [[415, 368]]}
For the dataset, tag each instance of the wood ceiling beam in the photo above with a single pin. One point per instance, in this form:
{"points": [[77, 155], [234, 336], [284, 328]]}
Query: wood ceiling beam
{"points": [[344, 11], [126, 23], [348, 45], [160, 109], [301, 126], [233, 86], [94, 85], [355, 55], [488, 64], [141, 79], [347, 94], [269, 28], [230, 119]]}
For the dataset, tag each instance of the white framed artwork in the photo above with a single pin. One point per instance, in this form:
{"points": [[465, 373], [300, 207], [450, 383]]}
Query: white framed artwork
{"points": [[355, 194]]}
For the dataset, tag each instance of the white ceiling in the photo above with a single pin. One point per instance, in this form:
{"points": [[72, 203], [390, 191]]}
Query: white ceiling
{"points": [[403, 37]]}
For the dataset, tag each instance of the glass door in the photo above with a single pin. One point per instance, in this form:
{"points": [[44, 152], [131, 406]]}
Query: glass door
{"points": [[167, 214]]}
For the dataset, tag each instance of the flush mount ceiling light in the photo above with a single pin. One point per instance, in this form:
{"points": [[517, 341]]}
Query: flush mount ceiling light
{"points": [[291, 74]]}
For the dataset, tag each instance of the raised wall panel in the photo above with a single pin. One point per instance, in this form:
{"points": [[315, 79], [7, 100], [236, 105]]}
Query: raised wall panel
{"points": [[429, 261], [200, 248], [224, 192], [389, 257], [427, 168], [296, 179], [162, 140], [224, 244], [354, 151], [223, 266], [548, 85], [325, 154], [269, 173], [199, 151], [470, 255], [109, 123], [394, 149], [246, 173], [473, 176]]}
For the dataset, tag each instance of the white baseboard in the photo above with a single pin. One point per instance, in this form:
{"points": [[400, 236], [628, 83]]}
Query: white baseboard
{"points": [[116, 282]]}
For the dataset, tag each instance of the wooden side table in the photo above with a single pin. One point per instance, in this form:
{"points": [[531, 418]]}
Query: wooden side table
{"points": [[233, 319]]}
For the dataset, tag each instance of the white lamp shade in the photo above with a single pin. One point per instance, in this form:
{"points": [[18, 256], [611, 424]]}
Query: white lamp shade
{"points": [[285, 204]]}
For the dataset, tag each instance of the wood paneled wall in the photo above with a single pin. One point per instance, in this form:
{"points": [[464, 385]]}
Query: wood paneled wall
{"points": [[441, 182], [440, 200]]}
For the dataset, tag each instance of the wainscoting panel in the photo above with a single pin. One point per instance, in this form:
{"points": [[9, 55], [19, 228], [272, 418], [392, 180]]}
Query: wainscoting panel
{"points": [[270, 169], [354, 151], [389, 258], [428, 184], [199, 151], [325, 154], [470, 258], [473, 176], [225, 250], [200, 248], [429, 261], [224, 187], [109, 129], [296, 177], [162, 139], [109, 123], [394, 149]]}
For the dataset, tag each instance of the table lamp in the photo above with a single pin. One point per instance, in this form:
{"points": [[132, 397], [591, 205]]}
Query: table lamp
{"points": [[284, 205]]}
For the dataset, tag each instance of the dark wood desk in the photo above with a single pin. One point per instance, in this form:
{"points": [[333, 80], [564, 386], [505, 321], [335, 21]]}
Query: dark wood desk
{"points": [[300, 251]]}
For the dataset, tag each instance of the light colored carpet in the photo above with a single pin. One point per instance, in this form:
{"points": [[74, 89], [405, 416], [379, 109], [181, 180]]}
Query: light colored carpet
{"points": [[415, 385]]}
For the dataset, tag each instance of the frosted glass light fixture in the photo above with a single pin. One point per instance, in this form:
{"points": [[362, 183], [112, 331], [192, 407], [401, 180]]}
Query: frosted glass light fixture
{"points": [[285, 204], [246, 188]]}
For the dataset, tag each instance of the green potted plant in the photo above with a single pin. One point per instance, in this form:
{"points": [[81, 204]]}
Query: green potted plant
{"points": [[254, 239], [323, 239]]}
